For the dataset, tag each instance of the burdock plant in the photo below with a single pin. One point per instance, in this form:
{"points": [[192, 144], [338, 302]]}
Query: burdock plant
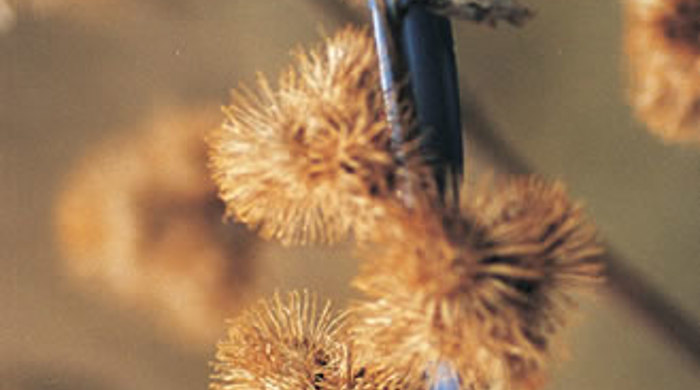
{"points": [[470, 282], [464, 285]]}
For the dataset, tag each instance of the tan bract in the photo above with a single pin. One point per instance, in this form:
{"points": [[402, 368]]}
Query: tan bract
{"points": [[484, 288], [663, 53], [138, 216], [307, 161]]}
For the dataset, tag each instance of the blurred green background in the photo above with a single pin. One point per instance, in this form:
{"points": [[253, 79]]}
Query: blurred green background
{"points": [[73, 72]]}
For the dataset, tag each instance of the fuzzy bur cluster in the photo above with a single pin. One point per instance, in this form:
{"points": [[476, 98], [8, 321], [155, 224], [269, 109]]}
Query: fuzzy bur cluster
{"points": [[481, 287]]}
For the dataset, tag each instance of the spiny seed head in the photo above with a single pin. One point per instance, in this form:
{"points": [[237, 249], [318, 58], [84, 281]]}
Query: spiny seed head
{"points": [[663, 54], [484, 288], [140, 216], [283, 344], [296, 343], [307, 161]]}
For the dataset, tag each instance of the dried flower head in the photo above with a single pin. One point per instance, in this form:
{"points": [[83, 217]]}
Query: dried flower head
{"points": [[663, 52], [307, 162], [295, 344], [483, 288], [140, 217]]}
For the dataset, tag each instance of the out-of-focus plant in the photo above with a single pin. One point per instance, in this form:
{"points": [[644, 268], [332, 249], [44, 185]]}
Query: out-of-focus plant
{"points": [[663, 53], [139, 217]]}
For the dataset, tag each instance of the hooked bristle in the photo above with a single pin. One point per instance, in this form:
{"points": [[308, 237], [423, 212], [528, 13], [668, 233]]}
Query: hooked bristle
{"points": [[292, 344], [484, 288], [490, 12], [140, 217], [663, 53], [307, 162]]}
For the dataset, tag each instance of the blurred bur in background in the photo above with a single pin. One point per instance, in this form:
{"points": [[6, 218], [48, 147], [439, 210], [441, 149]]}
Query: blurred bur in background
{"points": [[139, 215], [663, 51]]}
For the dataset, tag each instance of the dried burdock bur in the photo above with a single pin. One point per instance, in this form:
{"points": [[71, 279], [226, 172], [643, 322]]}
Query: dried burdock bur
{"points": [[292, 343], [484, 288], [663, 54], [309, 161], [295, 342], [139, 216]]}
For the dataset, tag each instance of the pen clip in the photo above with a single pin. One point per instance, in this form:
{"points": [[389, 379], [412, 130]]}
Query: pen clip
{"points": [[416, 45]]}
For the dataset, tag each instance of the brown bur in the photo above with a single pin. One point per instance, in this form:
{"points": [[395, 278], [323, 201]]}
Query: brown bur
{"points": [[139, 217]]}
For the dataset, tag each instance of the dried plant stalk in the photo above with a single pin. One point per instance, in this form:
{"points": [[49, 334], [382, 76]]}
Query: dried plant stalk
{"points": [[489, 12], [307, 162], [139, 217], [663, 52], [484, 289]]}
